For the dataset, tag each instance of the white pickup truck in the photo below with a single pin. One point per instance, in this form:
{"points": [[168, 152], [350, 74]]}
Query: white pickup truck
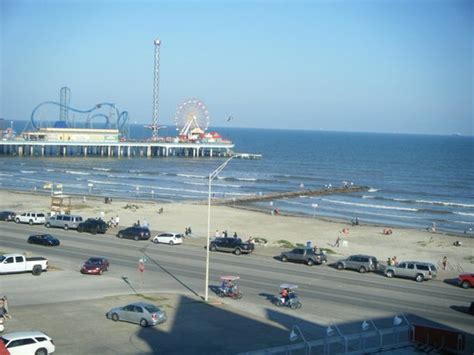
{"points": [[11, 263]]}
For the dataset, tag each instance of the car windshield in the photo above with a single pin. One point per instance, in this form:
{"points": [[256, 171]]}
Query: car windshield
{"points": [[48, 237], [94, 261], [151, 308], [2, 258]]}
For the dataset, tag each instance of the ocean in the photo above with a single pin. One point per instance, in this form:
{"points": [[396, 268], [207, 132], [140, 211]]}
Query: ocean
{"points": [[414, 180]]}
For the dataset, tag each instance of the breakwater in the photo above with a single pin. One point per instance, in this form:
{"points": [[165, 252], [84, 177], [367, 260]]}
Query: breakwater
{"points": [[287, 194]]}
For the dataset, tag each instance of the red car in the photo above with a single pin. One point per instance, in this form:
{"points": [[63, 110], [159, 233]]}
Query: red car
{"points": [[95, 266], [466, 280]]}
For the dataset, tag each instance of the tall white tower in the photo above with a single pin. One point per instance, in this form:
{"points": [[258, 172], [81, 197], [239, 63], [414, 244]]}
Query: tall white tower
{"points": [[156, 82]]}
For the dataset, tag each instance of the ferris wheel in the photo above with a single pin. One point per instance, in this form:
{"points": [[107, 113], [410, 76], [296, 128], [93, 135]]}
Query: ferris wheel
{"points": [[191, 117]]}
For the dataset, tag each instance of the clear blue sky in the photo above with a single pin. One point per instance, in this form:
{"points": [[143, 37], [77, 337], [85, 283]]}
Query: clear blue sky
{"points": [[377, 66]]}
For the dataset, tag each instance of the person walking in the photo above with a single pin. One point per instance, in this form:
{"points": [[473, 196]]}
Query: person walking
{"points": [[235, 235], [117, 220], [445, 262]]}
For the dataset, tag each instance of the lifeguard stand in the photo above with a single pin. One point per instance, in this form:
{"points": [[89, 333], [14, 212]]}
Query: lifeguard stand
{"points": [[60, 204]]}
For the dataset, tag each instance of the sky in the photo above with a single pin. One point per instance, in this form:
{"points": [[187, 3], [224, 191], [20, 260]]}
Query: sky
{"points": [[403, 66]]}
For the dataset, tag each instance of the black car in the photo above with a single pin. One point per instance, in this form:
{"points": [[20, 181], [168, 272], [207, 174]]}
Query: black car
{"points": [[304, 255], [7, 216], [44, 239], [93, 226], [231, 245], [136, 233]]}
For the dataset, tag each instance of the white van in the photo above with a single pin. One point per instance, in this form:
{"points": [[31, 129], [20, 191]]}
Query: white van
{"points": [[66, 221], [31, 218]]}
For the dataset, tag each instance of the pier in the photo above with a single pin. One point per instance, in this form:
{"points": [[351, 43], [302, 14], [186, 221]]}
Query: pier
{"points": [[114, 149], [288, 194]]}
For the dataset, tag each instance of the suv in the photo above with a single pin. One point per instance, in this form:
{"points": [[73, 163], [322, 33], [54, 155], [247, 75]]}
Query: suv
{"points": [[136, 233], [20, 343], [231, 245], [31, 218], [419, 271], [65, 221], [93, 226], [304, 255], [361, 263]]}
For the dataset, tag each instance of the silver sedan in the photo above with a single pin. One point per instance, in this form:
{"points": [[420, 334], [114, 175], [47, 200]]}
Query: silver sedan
{"points": [[141, 313]]}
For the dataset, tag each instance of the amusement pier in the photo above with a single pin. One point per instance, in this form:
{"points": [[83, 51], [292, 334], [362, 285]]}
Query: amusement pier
{"points": [[103, 131]]}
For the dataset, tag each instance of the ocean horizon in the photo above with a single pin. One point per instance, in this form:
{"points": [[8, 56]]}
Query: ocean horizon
{"points": [[414, 179]]}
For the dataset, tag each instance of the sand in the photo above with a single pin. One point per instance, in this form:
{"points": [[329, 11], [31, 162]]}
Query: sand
{"points": [[405, 243]]}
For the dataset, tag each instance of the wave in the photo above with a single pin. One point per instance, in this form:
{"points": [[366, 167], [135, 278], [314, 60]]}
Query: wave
{"points": [[3, 174], [76, 172], [464, 222], [101, 182], [371, 206], [426, 202], [28, 171], [192, 176], [49, 170], [464, 214], [229, 178], [373, 190], [101, 169]]}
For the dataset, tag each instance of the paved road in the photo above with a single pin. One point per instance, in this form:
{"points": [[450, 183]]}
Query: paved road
{"points": [[328, 295]]}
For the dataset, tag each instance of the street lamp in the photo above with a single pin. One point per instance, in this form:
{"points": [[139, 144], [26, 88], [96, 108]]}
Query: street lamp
{"points": [[212, 176], [294, 336]]}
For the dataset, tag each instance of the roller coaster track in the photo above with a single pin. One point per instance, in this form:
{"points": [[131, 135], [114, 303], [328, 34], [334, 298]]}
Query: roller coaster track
{"points": [[122, 117]]}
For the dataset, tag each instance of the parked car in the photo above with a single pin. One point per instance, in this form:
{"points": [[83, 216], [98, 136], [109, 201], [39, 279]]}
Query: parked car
{"points": [[304, 255], [95, 266], [417, 270], [141, 313], [27, 343], [361, 263], [466, 280], [231, 245], [136, 233], [12, 263], [31, 218], [44, 239], [92, 225], [7, 216], [65, 221], [168, 238]]}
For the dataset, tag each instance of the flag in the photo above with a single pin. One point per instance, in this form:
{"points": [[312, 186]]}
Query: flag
{"points": [[59, 186], [48, 186]]}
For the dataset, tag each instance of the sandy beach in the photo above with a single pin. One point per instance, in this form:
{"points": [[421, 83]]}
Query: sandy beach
{"points": [[405, 243]]}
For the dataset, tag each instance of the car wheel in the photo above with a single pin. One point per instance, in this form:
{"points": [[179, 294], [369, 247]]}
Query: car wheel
{"points": [[465, 285], [362, 270], [310, 262], [136, 237], [389, 273], [279, 303], [17, 220], [115, 317], [36, 270], [237, 251], [213, 247], [31, 222], [221, 294], [120, 235], [298, 305], [66, 227], [41, 351], [238, 296], [419, 278], [284, 258], [171, 242], [293, 305], [340, 266], [100, 272], [155, 240], [48, 225], [143, 323], [80, 229]]}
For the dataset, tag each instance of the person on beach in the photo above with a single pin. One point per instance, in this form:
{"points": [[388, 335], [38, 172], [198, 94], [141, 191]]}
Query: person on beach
{"points": [[117, 220], [394, 261], [445, 262], [217, 235], [251, 240], [389, 261], [4, 315], [337, 243], [224, 233], [190, 231], [235, 235]]}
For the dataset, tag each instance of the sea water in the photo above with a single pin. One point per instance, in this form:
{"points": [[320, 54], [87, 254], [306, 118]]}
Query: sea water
{"points": [[414, 180]]}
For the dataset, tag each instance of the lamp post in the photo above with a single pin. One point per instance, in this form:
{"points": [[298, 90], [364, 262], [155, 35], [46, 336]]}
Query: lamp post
{"points": [[212, 176], [294, 336]]}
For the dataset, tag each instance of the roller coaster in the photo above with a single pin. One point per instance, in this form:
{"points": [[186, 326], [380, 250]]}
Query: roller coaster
{"points": [[113, 119]]}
